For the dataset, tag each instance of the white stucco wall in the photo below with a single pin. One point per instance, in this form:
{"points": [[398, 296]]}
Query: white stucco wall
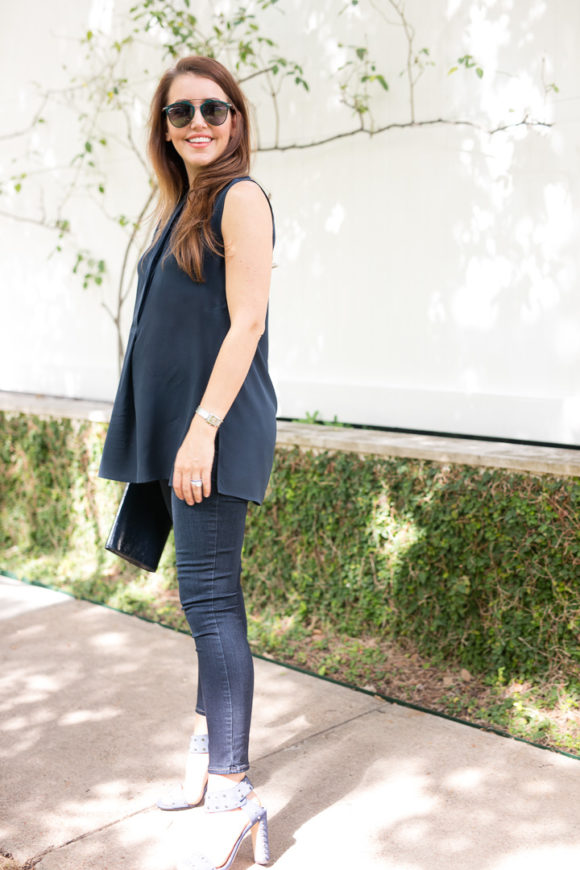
{"points": [[426, 278]]}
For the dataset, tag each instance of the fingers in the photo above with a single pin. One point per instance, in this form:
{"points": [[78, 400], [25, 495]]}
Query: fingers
{"points": [[193, 466], [200, 486], [196, 484], [177, 487], [182, 486], [192, 486]]}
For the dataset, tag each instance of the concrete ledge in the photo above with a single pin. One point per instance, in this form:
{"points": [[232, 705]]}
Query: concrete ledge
{"points": [[492, 454], [562, 462], [55, 406]]}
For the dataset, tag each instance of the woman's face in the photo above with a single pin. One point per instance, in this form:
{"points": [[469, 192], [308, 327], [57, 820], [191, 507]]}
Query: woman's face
{"points": [[198, 143]]}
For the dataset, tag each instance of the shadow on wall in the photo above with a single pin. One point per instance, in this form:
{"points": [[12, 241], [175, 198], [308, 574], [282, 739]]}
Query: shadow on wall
{"points": [[440, 261]]}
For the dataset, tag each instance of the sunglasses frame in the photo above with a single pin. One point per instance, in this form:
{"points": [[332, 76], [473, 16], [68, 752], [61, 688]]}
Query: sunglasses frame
{"points": [[194, 107]]}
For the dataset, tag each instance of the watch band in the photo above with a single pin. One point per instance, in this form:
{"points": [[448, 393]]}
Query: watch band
{"points": [[209, 418]]}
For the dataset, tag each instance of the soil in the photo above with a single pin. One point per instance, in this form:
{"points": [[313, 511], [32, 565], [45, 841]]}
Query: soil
{"points": [[545, 713]]}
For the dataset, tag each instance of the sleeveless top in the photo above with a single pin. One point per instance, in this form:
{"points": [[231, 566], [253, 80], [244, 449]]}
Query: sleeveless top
{"points": [[177, 330]]}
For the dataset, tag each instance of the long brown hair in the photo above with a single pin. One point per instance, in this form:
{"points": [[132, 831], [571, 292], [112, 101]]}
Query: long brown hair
{"points": [[193, 230]]}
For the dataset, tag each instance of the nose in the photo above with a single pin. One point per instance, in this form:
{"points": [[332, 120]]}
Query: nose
{"points": [[197, 120]]}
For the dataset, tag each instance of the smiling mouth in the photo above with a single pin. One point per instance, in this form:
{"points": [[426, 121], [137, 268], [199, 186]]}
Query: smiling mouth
{"points": [[199, 140]]}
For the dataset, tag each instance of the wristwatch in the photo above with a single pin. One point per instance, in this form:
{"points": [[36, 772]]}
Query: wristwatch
{"points": [[209, 418]]}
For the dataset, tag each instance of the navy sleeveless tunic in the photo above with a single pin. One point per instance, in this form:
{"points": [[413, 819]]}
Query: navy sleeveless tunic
{"points": [[178, 328]]}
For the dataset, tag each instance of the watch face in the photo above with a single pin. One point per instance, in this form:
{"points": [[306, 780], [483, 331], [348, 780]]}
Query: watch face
{"points": [[209, 418]]}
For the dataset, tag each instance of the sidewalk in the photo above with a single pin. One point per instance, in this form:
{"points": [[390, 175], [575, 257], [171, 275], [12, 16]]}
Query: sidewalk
{"points": [[95, 719]]}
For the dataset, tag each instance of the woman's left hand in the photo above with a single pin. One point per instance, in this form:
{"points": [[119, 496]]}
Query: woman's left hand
{"points": [[194, 462]]}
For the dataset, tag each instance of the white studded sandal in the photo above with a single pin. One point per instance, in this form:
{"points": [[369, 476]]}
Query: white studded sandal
{"points": [[257, 823], [174, 798]]}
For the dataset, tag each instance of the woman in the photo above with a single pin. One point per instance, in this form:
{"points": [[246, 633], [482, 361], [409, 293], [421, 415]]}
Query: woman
{"points": [[195, 410]]}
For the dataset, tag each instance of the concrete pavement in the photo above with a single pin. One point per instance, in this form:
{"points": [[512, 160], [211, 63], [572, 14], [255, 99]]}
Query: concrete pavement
{"points": [[95, 715]]}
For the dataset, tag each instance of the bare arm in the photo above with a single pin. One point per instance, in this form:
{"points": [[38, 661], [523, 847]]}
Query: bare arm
{"points": [[247, 234]]}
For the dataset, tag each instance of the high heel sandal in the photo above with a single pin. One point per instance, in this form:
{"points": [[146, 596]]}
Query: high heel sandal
{"points": [[174, 798], [232, 799]]}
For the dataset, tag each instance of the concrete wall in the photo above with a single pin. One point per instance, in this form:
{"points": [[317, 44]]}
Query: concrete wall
{"points": [[425, 278]]}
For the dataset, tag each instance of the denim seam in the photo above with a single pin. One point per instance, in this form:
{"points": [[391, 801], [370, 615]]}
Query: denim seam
{"points": [[219, 636]]}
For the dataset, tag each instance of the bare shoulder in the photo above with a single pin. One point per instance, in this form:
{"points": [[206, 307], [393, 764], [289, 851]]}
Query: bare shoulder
{"points": [[246, 199]]}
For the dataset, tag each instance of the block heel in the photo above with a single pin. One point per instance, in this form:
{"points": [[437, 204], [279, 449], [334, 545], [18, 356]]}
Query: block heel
{"points": [[261, 840], [232, 799]]}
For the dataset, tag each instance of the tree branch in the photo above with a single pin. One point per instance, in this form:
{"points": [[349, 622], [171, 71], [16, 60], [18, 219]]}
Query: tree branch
{"points": [[131, 140], [259, 72], [409, 35], [39, 222], [109, 312], [130, 244], [32, 124], [401, 126]]}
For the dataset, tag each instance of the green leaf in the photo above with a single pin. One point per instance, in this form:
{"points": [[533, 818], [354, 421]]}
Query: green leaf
{"points": [[18, 187], [479, 72], [88, 147], [452, 70]]}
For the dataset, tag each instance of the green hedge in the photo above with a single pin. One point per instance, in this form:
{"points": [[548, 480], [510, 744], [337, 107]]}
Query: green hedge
{"points": [[479, 567], [476, 565]]}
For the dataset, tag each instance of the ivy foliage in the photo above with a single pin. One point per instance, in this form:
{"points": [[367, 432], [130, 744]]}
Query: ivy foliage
{"points": [[478, 567]]}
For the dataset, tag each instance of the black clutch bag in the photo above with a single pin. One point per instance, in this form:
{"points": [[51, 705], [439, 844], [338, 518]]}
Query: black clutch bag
{"points": [[141, 526]]}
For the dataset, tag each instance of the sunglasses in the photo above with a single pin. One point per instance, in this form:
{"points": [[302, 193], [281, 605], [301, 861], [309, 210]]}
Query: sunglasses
{"points": [[181, 114]]}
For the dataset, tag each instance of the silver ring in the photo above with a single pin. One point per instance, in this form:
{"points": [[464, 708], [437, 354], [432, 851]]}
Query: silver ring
{"points": [[196, 482]]}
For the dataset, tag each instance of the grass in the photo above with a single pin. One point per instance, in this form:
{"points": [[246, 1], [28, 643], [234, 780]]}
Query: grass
{"points": [[543, 712], [546, 712]]}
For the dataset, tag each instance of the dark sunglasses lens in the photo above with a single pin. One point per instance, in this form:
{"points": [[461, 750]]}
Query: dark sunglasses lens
{"points": [[180, 115], [214, 113]]}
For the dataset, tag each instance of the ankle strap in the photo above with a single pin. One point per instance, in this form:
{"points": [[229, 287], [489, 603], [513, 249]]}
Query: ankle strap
{"points": [[199, 743], [229, 798]]}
